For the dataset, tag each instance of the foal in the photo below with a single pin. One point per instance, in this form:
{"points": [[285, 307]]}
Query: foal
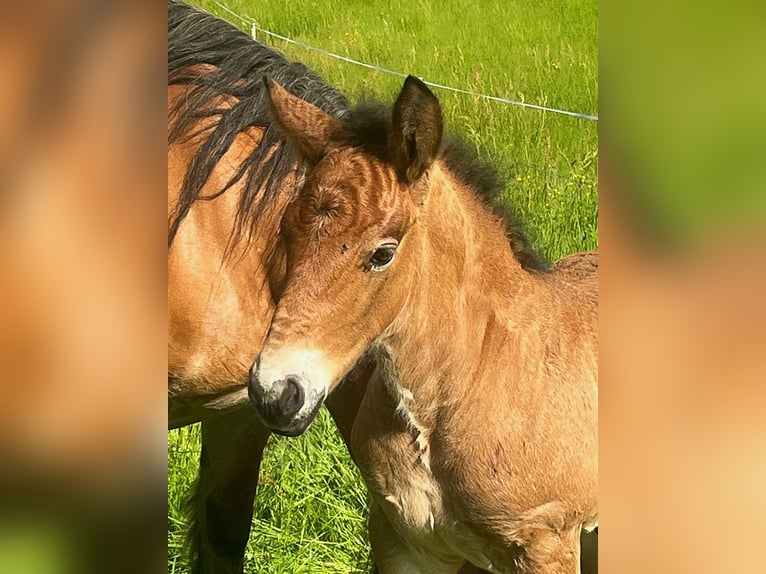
{"points": [[477, 436]]}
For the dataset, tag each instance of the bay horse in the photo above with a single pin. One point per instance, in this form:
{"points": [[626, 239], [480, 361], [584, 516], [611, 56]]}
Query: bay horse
{"points": [[230, 176], [477, 436]]}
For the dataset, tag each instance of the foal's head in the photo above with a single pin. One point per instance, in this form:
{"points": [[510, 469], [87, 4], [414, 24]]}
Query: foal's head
{"points": [[350, 259]]}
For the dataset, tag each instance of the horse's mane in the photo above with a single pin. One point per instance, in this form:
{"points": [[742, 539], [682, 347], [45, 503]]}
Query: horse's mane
{"points": [[235, 65]]}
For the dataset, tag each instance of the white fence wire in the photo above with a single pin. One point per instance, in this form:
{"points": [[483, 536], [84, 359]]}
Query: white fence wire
{"points": [[256, 29]]}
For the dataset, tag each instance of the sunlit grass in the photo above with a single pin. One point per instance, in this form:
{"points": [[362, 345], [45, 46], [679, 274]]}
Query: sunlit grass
{"points": [[310, 513]]}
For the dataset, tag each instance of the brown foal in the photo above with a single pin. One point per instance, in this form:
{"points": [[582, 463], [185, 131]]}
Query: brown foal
{"points": [[477, 435]]}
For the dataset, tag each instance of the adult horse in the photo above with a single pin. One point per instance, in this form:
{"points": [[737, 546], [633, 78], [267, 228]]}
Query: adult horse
{"points": [[477, 436], [230, 177]]}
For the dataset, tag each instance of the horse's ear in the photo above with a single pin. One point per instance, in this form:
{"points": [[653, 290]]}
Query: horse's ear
{"points": [[417, 129], [312, 132]]}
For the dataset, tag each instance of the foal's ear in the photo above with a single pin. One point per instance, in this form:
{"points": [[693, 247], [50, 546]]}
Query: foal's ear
{"points": [[417, 129], [309, 130]]}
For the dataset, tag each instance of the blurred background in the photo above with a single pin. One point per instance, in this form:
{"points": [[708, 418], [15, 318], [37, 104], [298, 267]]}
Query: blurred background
{"points": [[683, 286], [82, 295], [83, 245]]}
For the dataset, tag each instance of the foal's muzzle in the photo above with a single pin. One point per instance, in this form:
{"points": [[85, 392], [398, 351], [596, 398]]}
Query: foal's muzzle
{"points": [[283, 405]]}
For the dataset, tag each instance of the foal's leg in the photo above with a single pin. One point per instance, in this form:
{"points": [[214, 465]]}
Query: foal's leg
{"points": [[589, 552], [394, 555], [222, 505], [343, 405], [549, 552]]}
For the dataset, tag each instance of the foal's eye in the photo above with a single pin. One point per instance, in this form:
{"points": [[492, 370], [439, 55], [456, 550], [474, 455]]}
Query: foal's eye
{"points": [[382, 256]]}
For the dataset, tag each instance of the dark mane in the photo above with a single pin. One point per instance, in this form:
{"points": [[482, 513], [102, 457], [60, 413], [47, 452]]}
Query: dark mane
{"points": [[367, 127], [463, 161], [235, 65]]}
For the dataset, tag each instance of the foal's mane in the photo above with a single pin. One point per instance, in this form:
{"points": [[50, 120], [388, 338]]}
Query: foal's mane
{"points": [[235, 66], [464, 162]]}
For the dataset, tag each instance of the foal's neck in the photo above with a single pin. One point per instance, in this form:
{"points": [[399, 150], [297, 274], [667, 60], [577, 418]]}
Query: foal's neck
{"points": [[465, 291]]}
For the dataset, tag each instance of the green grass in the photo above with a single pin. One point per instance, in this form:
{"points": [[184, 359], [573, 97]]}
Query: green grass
{"points": [[310, 508], [310, 511]]}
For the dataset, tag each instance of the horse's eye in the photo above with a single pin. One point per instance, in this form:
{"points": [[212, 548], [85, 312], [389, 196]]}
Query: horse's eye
{"points": [[382, 256]]}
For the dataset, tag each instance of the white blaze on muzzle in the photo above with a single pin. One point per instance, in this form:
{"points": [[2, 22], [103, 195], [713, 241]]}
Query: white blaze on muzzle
{"points": [[311, 366]]}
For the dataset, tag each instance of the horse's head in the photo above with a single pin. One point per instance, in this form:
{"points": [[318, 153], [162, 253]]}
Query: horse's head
{"points": [[349, 256]]}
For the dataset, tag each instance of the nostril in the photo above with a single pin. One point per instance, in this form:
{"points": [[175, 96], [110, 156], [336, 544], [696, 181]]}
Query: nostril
{"points": [[292, 397]]}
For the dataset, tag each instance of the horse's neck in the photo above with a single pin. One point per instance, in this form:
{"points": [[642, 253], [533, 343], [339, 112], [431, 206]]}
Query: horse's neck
{"points": [[469, 293], [218, 298]]}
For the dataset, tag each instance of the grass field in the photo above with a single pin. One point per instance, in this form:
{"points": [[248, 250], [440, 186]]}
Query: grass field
{"points": [[310, 508]]}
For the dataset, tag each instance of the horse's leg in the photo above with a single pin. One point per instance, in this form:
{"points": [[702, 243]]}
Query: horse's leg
{"points": [[222, 504], [589, 552], [588, 556], [394, 555], [549, 551], [343, 405]]}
